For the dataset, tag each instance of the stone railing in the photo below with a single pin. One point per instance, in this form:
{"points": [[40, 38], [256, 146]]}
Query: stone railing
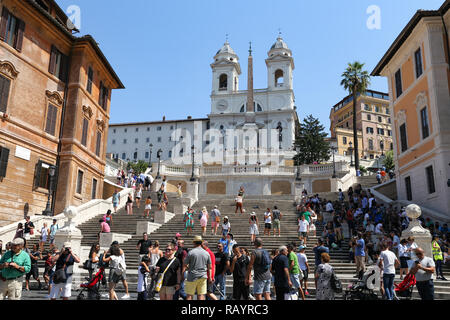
{"points": [[324, 169]]}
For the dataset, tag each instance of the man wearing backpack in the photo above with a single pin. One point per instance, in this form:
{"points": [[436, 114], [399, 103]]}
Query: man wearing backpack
{"points": [[260, 262]]}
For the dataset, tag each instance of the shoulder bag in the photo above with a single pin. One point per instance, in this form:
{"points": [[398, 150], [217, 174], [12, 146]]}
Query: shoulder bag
{"points": [[160, 279], [60, 274]]}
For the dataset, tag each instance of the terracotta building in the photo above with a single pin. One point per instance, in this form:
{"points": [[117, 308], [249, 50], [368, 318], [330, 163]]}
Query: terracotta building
{"points": [[417, 68], [55, 91], [373, 121]]}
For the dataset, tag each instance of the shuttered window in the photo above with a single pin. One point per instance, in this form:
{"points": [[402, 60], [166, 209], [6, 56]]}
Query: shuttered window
{"points": [[5, 84], [90, 79], [398, 83], [84, 132], [430, 179], [12, 30], [41, 175], [4, 155], [408, 188], [59, 64], [79, 182], [424, 123], [403, 140], [418, 60], [52, 114], [98, 144], [103, 96], [94, 188]]}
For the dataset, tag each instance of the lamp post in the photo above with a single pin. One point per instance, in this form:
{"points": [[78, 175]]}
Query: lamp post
{"points": [[158, 155], [298, 178], [378, 163], [333, 149], [351, 153], [150, 157], [51, 173], [192, 153]]}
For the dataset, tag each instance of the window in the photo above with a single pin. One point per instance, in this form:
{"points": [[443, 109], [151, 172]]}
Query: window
{"points": [[223, 82], [344, 140], [370, 144], [430, 179], [389, 133], [137, 129], [381, 145], [159, 139], [89, 81], [146, 154], [124, 155], [377, 109], [392, 146], [171, 127], [41, 175], [369, 130], [124, 141], [403, 141], [98, 144], [135, 155], [418, 61], [424, 123], [279, 78], [52, 113], [170, 154], [114, 130], [389, 120], [125, 130], [79, 182], [367, 107], [398, 83], [369, 117], [84, 132], [387, 111], [58, 64], [4, 155], [11, 30], [380, 131], [136, 140], [103, 96], [114, 141], [147, 140], [380, 119], [158, 128], [94, 188], [408, 188], [5, 84]]}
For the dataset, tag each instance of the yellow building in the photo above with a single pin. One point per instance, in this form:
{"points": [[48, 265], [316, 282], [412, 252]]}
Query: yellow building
{"points": [[417, 68]]}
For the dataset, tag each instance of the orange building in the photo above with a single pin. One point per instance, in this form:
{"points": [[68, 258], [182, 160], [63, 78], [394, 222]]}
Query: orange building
{"points": [[55, 92], [417, 68]]}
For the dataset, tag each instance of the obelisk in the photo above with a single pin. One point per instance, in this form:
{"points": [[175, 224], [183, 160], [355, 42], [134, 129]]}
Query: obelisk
{"points": [[250, 112]]}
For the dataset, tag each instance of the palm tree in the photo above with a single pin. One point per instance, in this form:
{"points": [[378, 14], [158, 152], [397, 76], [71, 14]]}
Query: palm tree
{"points": [[356, 81]]}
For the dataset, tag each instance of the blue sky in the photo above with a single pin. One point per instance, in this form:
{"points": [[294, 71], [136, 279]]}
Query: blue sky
{"points": [[162, 50]]}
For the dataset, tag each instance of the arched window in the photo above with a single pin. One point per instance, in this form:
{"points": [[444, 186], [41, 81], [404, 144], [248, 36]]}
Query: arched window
{"points": [[181, 152], [257, 107], [223, 82], [279, 78]]}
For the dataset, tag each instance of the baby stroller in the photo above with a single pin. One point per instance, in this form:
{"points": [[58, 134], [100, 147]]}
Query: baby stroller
{"points": [[405, 288], [364, 288], [92, 286]]}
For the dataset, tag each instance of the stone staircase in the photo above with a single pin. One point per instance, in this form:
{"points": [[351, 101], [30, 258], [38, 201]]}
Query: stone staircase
{"points": [[125, 224]]}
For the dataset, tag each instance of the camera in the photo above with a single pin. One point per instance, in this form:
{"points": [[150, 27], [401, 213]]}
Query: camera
{"points": [[416, 262]]}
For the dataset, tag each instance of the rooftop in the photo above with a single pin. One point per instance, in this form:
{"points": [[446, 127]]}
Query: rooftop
{"points": [[369, 93]]}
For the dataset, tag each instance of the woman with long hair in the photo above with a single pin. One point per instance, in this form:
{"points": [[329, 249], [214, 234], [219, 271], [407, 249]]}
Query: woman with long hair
{"points": [[169, 267], [93, 257], [189, 220], [204, 220], [253, 221]]}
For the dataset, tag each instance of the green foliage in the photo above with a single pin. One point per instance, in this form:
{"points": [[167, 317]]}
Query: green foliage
{"points": [[138, 167], [354, 79], [363, 169], [310, 137], [388, 161]]}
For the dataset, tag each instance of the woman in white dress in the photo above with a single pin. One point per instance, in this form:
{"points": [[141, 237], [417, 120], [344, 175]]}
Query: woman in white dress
{"points": [[253, 221], [44, 236], [267, 221]]}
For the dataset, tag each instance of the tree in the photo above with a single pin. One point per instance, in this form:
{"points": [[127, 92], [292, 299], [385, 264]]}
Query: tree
{"points": [[388, 161], [138, 167], [356, 81], [310, 138]]}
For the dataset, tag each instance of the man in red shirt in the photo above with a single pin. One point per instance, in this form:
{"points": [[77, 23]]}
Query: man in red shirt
{"points": [[210, 290]]}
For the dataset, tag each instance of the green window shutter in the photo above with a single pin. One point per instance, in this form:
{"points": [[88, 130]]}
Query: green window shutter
{"points": [[4, 155]]}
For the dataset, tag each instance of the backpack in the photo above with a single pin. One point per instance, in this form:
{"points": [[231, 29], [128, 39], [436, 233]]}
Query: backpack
{"points": [[118, 265], [335, 283], [265, 260]]}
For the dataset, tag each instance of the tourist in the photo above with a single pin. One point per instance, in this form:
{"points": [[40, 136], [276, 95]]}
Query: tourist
{"points": [[179, 191], [65, 262], [360, 255], [35, 256], [239, 204], [215, 220], [198, 264], [388, 263], [411, 247], [188, 220], [322, 279], [403, 257], [148, 207], [143, 246], [312, 223], [276, 214], [295, 274], [303, 229], [280, 270], [1, 248], [28, 228], [222, 265], [424, 269], [329, 207], [253, 221], [204, 220], [94, 259], [318, 250], [238, 268], [260, 263], [169, 267], [231, 243], [108, 218], [19, 231], [129, 204], [104, 228], [49, 268], [142, 284], [304, 268], [337, 222], [45, 231], [210, 276], [117, 271], [116, 199], [181, 254], [267, 222], [53, 229], [155, 253], [14, 264], [226, 226], [138, 196], [437, 257]]}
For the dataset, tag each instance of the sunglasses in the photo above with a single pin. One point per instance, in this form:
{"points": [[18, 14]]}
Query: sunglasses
{"points": [[168, 249]]}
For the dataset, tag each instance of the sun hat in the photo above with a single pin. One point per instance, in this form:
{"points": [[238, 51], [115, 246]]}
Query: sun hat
{"points": [[197, 239], [67, 245], [18, 241]]}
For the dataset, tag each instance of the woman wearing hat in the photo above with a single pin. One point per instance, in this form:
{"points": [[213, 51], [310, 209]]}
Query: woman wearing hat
{"points": [[226, 226], [204, 220], [253, 221]]}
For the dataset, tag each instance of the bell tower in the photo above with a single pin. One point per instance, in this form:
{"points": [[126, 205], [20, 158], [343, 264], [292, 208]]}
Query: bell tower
{"points": [[280, 65]]}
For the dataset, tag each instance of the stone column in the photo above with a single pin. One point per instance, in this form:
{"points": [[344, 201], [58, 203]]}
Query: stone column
{"points": [[298, 189], [156, 185], [192, 190], [421, 236]]}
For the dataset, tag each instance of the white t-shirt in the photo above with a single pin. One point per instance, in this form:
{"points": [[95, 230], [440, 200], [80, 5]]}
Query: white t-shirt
{"points": [[303, 226], [370, 202], [422, 275], [302, 259], [412, 253], [226, 226], [402, 251], [142, 281], [388, 258], [370, 227], [329, 207], [378, 228], [267, 217]]}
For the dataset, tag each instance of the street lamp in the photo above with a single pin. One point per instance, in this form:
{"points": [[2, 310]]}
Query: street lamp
{"points": [[158, 155], [192, 153], [150, 157], [351, 153], [51, 173], [378, 163], [298, 178], [333, 149]]}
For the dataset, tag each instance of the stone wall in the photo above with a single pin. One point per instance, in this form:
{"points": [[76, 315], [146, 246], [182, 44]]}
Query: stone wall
{"points": [[216, 187], [281, 187], [321, 185]]}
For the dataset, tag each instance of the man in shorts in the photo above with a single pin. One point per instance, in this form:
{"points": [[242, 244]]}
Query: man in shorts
{"points": [[215, 220], [262, 276], [295, 273], [198, 264], [53, 228], [276, 220]]}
